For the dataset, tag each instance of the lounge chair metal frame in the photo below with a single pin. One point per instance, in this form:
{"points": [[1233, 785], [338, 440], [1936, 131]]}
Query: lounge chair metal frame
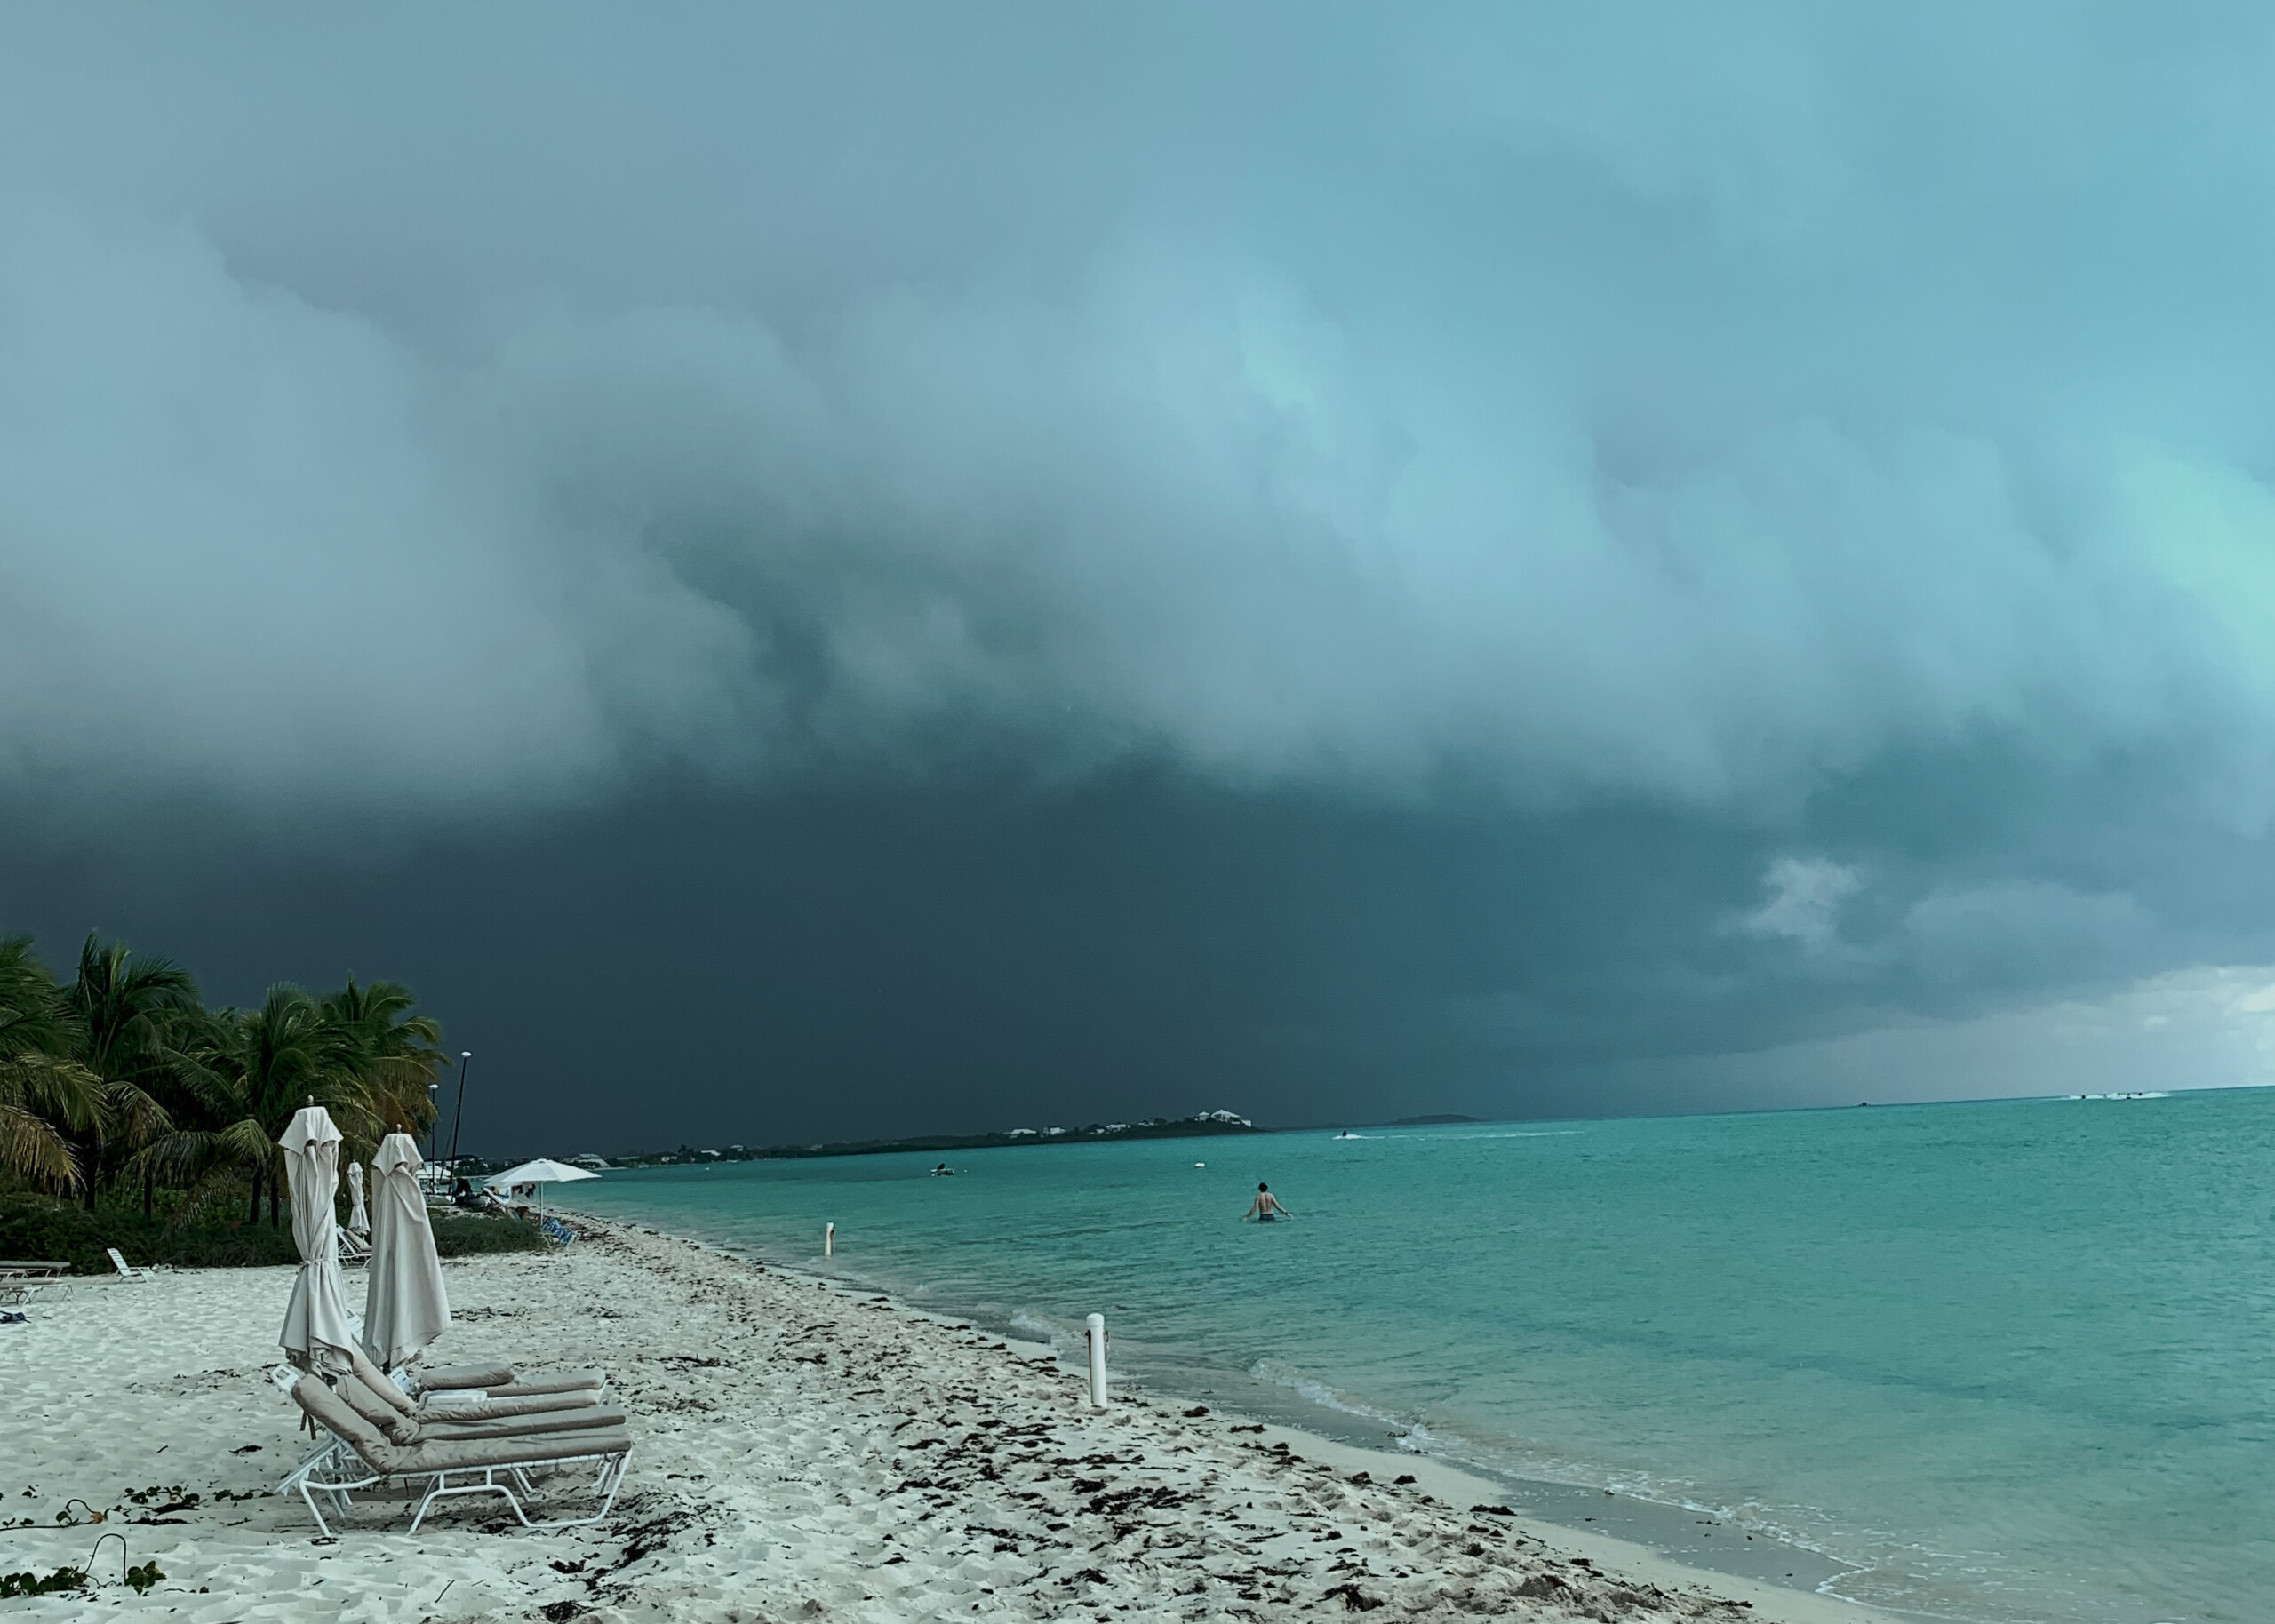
{"points": [[610, 1478]]}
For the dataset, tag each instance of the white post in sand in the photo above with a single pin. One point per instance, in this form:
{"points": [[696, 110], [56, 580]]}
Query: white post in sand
{"points": [[1097, 1329], [829, 1240]]}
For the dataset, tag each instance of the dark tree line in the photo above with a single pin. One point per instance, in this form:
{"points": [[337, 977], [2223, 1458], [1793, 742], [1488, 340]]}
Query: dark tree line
{"points": [[124, 1076]]}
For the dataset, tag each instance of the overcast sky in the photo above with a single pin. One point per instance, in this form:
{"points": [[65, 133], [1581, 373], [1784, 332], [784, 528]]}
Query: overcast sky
{"points": [[842, 571]]}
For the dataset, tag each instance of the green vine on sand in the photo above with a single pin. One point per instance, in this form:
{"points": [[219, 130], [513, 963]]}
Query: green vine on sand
{"points": [[31, 1584]]}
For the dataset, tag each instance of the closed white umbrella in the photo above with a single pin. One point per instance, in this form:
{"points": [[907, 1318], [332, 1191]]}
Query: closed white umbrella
{"points": [[319, 1330], [359, 1225], [540, 1173], [404, 1305]]}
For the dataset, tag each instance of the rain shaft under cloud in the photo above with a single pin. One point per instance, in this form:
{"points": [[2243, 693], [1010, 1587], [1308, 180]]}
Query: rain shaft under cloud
{"points": [[1832, 443]]}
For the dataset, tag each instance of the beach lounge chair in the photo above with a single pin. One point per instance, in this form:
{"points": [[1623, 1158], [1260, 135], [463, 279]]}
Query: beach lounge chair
{"points": [[20, 1277], [126, 1271], [474, 1407], [450, 1465], [566, 1411], [382, 1405], [466, 1408]]}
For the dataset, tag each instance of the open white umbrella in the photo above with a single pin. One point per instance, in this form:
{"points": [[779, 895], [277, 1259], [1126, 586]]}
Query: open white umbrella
{"points": [[404, 1305], [359, 1224], [540, 1173], [319, 1331]]}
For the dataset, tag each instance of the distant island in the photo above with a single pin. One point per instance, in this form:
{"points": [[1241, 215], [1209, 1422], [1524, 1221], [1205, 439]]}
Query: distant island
{"points": [[1199, 1125]]}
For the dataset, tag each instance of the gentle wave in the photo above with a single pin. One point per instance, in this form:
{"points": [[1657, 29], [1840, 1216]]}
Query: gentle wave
{"points": [[1275, 1374]]}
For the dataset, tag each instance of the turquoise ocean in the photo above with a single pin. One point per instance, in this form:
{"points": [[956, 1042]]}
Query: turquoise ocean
{"points": [[2001, 1362]]}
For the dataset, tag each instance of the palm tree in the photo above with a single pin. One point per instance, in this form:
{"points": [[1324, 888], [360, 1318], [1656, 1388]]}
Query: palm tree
{"points": [[130, 1018], [45, 1099], [126, 1071], [252, 1070], [395, 1055]]}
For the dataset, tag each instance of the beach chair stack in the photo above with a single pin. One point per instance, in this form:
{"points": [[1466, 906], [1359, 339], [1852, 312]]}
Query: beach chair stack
{"points": [[20, 1278], [461, 1431]]}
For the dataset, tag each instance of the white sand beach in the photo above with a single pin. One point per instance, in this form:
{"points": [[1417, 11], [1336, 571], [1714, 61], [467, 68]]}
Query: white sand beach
{"points": [[805, 1452]]}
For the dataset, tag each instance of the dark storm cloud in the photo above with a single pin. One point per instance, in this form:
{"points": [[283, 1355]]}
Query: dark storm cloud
{"points": [[1753, 420]]}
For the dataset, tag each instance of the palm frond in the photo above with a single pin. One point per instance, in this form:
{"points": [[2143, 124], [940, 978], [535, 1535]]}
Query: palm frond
{"points": [[32, 1151]]}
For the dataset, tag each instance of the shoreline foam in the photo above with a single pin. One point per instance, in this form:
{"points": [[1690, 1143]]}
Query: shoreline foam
{"points": [[805, 1450]]}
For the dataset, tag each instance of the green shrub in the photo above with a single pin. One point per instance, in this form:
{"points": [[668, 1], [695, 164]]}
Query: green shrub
{"points": [[459, 1234], [42, 1227]]}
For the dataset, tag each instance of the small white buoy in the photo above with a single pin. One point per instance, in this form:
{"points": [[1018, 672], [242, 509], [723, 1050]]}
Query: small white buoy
{"points": [[1096, 1327], [829, 1240], [1200, 1163]]}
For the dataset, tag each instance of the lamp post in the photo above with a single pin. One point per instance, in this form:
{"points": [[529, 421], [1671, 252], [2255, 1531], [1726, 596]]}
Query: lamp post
{"points": [[433, 1118], [459, 1116]]}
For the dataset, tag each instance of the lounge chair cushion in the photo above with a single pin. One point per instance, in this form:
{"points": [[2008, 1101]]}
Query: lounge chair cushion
{"points": [[557, 1381], [584, 1418], [452, 1377], [529, 1450], [480, 1408], [417, 1460], [387, 1391], [359, 1395], [331, 1410], [466, 1420]]}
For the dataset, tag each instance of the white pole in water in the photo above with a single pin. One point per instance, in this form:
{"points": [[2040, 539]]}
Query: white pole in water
{"points": [[829, 1240], [1097, 1328]]}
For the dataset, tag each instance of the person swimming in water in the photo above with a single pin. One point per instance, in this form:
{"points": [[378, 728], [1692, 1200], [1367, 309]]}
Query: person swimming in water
{"points": [[1266, 1208]]}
